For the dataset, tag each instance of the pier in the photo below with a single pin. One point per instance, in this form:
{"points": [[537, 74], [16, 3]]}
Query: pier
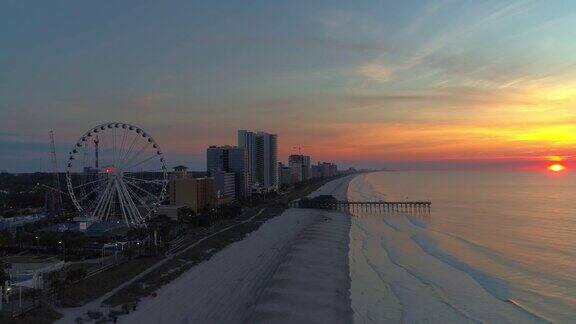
{"points": [[364, 206]]}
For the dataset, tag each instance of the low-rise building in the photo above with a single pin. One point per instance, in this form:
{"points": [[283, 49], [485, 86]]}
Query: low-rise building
{"points": [[196, 193], [170, 211]]}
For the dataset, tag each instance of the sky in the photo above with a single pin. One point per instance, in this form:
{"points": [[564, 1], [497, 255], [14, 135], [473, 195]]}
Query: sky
{"points": [[400, 84]]}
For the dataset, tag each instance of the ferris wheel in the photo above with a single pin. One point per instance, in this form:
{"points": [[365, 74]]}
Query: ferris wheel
{"points": [[116, 171]]}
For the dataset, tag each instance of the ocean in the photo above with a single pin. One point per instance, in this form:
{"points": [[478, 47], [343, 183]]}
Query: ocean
{"points": [[496, 247]]}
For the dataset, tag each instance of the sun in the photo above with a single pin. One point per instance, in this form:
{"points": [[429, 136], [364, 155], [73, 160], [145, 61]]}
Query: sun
{"points": [[556, 167]]}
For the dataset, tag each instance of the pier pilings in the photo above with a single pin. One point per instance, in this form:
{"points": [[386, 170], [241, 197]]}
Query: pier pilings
{"points": [[368, 206]]}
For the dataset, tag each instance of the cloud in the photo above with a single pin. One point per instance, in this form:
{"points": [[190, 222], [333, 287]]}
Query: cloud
{"points": [[375, 72], [151, 101]]}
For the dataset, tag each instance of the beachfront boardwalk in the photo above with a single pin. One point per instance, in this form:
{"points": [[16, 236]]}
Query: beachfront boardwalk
{"points": [[367, 206]]}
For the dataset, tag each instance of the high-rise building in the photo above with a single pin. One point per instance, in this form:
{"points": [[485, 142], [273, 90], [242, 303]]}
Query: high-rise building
{"points": [[196, 193], [327, 169], [300, 165], [285, 174], [247, 141], [230, 159], [316, 171], [262, 150], [296, 171], [333, 169], [225, 185]]}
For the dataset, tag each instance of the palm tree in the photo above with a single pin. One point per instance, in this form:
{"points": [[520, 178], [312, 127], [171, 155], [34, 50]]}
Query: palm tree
{"points": [[186, 215]]}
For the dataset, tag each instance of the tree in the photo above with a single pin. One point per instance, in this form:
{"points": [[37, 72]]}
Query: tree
{"points": [[136, 233], [23, 238], [5, 238], [34, 294], [186, 215], [74, 275], [3, 278], [56, 283], [74, 241], [129, 251], [49, 239]]}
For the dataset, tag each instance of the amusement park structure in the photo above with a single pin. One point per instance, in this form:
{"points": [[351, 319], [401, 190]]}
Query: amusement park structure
{"points": [[54, 193], [125, 180]]}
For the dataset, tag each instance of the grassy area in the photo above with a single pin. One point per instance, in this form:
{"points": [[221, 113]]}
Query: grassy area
{"points": [[42, 315], [29, 258], [96, 286], [83, 266]]}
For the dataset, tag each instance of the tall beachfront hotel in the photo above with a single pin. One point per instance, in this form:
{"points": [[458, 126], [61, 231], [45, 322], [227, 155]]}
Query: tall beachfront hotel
{"points": [[262, 150], [230, 159]]}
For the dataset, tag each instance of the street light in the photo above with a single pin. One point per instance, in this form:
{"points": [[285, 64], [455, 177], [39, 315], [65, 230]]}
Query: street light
{"points": [[63, 250], [8, 289]]}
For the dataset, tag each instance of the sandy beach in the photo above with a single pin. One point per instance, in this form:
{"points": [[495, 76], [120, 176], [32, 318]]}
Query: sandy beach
{"points": [[294, 268]]}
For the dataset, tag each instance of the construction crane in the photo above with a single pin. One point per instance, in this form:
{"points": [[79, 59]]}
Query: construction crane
{"points": [[55, 205], [299, 147], [96, 143]]}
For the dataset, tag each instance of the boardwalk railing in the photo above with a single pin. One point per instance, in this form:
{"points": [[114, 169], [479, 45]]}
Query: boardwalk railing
{"points": [[367, 206]]}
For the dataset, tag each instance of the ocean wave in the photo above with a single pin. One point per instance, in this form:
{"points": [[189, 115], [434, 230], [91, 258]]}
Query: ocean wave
{"points": [[496, 287], [436, 290], [421, 221], [360, 189], [500, 259]]}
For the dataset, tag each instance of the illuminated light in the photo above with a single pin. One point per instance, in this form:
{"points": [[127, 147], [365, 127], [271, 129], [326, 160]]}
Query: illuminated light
{"points": [[556, 167]]}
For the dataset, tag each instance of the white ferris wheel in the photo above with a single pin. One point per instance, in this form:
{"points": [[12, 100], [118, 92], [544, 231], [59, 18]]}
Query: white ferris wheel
{"points": [[116, 171]]}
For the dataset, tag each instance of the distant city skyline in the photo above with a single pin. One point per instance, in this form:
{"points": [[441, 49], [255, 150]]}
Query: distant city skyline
{"points": [[404, 85]]}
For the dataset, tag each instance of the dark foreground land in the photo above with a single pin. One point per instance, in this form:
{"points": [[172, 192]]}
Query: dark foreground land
{"points": [[122, 286]]}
